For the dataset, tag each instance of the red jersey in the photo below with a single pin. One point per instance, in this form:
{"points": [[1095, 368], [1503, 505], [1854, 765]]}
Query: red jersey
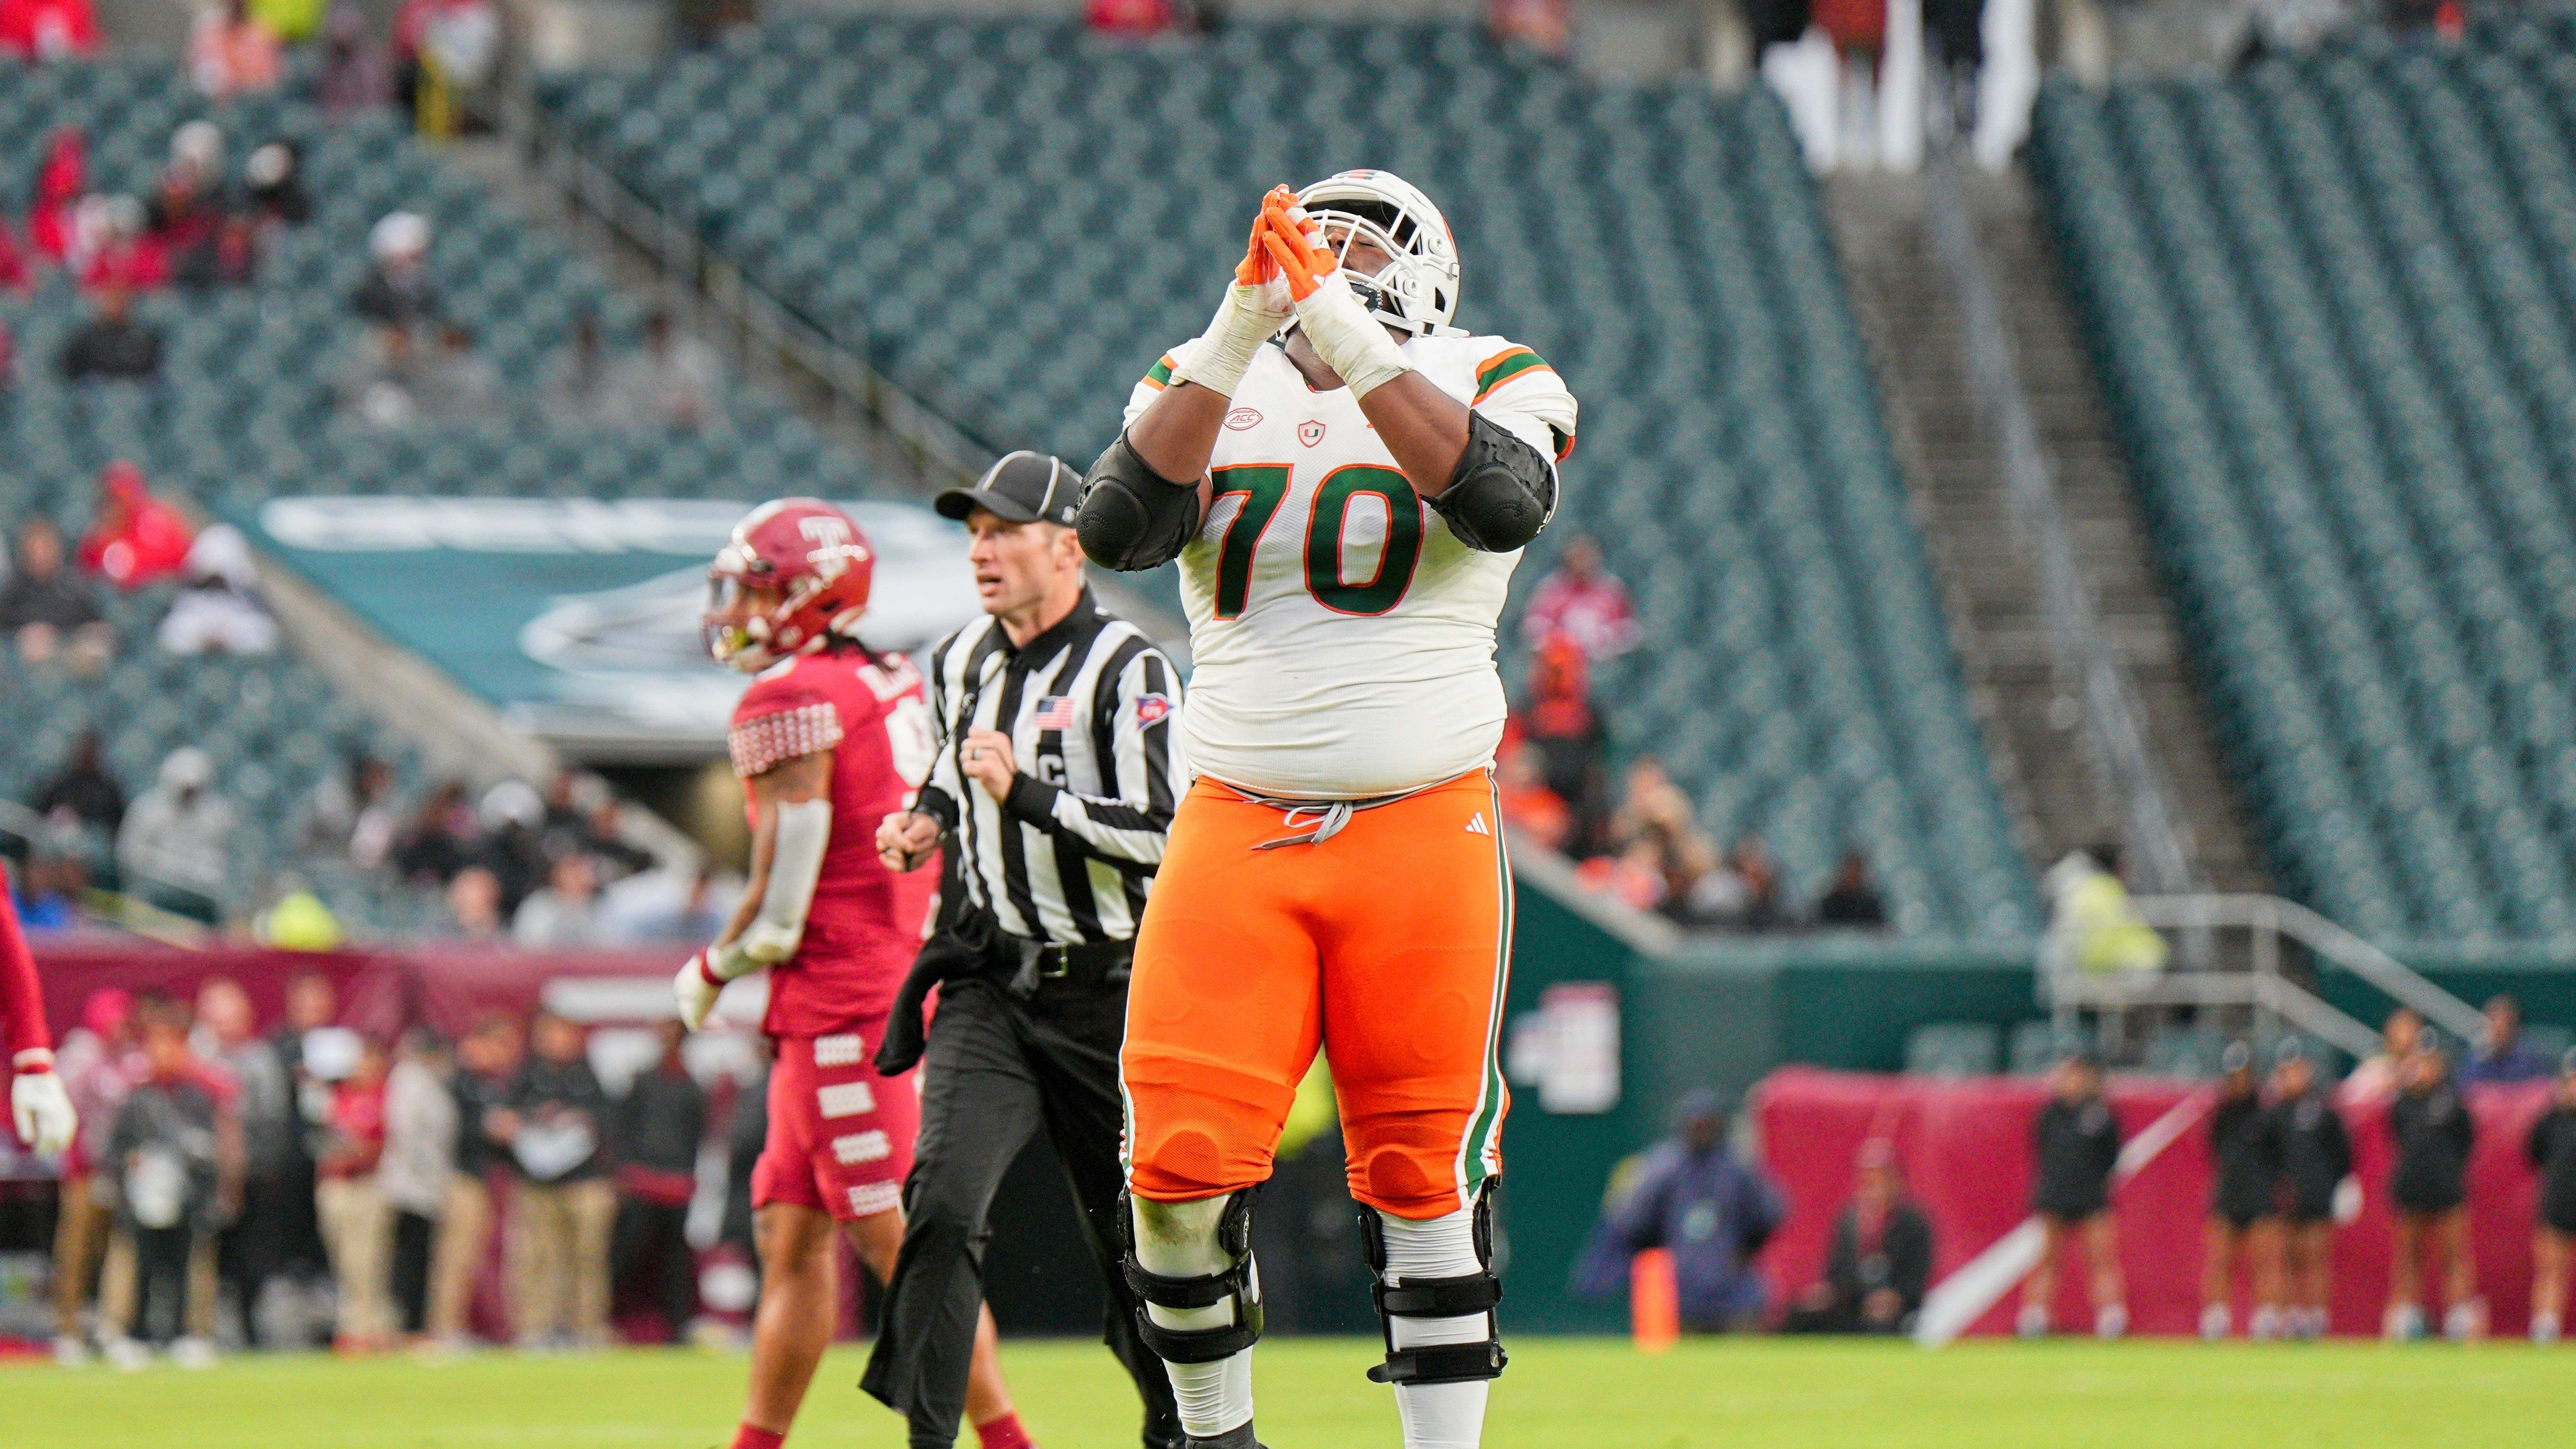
{"points": [[865, 926], [22, 1000]]}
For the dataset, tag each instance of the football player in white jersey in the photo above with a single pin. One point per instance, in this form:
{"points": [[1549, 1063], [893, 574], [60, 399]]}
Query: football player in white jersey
{"points": [[1347, 482]]}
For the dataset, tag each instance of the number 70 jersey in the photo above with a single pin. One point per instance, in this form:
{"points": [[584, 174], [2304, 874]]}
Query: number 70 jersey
{"points": [[1342, 640]]}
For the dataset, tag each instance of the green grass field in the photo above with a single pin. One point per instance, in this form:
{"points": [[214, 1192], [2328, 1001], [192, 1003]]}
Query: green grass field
{"points": [[1748, 1394]]}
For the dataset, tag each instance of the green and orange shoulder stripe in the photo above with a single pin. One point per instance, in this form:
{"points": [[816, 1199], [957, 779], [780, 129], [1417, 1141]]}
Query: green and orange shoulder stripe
{"points": [[1512, 364]]}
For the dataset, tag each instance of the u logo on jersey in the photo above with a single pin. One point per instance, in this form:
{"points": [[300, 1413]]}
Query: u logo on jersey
{"points": [[1310, 432]]}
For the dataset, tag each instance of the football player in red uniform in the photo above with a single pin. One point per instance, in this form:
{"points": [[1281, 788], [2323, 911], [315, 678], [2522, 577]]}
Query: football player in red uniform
{"points": [[830, 739]]}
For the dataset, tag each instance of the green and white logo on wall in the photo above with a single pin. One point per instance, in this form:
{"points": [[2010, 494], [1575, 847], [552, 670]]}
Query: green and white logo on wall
{"points": [[579, 618]]}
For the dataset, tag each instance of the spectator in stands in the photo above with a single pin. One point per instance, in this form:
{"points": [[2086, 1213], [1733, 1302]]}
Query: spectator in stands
{"points": [[2551, 1150], [456, 385], [674, 383], [2375, 1078], [565, 1205], [2503, 1056], [218, 608], [2093, 925], [175, 846], [658, 1127], [42, 30], [2077, 1142], [647, 909], [1131, 17], [512, 844], [1880, 1261], [273, 186], [487, 1063], [246, 1252], [47, 894], [576, 391], [474, 907], [232, 52], [2428, 1185], [444, 52], [1582, 603], [352, 815], [356, 76], [1559, 721], [349, 1197], [564, 914], [1536, 813], [2316, 1173], [1756, 904], [296, 919], [2242, 1230], [1852, 901], [186, 207], [60, 184], [112, 345], [47, 612], [419, 1159], [1545, 26], [603, 838], [113, 246], [442, 839], [136, 539], [1692, 1197], [17, 274], [175, 1151], [84, 793], [397, 291]]}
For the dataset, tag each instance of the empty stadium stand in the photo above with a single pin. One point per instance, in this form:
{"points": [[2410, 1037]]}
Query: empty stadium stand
{"points": [[1014, 218], [2335, 306]]}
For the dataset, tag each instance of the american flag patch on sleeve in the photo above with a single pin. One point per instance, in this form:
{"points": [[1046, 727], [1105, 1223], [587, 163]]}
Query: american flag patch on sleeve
{"points": [[1055, 712], [758, 744]]}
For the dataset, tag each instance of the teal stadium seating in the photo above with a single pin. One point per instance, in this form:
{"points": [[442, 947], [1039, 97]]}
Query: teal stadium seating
{"points": [[245, 413], [2334, 303], [1014, 218]]}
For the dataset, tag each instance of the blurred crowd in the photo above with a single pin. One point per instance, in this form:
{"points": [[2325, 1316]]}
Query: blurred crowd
{"points": [[1645, 846], [305, 1184]]}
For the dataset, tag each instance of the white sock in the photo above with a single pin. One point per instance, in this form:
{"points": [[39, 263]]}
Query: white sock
{"points": [[1179, 1240], [1437, 1416]]}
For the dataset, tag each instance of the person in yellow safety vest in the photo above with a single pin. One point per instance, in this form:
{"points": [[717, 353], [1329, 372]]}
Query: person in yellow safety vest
{"points": [[2093, 926]]}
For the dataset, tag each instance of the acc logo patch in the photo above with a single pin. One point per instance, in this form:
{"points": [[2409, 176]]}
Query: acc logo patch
{"points": [[1152, 709], [1310, 432], [1242, 418]]}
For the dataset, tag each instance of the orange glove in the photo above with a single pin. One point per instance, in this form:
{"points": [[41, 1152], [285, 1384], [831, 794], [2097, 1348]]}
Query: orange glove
{"points": [[1256, 306], [1295, 244], [1258, 265]]}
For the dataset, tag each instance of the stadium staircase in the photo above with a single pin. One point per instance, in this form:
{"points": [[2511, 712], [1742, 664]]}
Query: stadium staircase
{"points": [[2031, 712], [2335, 306], [1011, 219]]}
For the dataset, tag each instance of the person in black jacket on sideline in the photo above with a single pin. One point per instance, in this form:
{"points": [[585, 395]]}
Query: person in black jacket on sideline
{"points": [[2316, 1162], [1880, 1261], [2078, 1143], [2552, 1150], [658, 1127], [2241, 1231], [2429, 1122]]}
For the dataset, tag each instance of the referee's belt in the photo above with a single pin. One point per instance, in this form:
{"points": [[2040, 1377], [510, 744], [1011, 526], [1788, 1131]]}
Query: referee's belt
{"points": [[1047, 963]]}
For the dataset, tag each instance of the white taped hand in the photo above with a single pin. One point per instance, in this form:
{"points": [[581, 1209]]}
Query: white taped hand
{"points": [[42, 1111]]}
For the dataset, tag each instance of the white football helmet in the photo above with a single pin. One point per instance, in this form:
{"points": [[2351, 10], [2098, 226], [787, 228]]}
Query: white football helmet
{"points": [[1418, 289]]}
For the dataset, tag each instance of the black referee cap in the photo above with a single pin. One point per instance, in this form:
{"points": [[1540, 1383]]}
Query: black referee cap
{"points": [[1023, 487]]}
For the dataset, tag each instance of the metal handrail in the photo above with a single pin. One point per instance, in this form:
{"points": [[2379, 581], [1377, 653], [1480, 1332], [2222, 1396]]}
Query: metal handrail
{"points": [[707, 277], [2133, 783], [2271, 918]]}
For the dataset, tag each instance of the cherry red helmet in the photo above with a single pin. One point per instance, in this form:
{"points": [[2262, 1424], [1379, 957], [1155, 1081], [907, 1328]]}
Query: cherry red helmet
{"points": [[814, 555]]}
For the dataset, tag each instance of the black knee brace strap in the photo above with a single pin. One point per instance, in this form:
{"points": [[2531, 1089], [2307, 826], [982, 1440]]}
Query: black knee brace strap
{"points": [[1238, 1284], [1480, 1292]]}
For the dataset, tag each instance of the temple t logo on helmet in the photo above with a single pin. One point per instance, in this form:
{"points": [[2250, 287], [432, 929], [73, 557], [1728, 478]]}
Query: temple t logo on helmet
{"points": [[1417, 290], [794, 576]]}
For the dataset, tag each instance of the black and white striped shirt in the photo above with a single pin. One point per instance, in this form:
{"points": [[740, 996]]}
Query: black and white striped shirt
{"points": [[1089, 706]]}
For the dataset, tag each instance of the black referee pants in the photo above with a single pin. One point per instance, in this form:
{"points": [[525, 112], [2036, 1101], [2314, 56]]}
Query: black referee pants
{"points": [[998, 1068]]}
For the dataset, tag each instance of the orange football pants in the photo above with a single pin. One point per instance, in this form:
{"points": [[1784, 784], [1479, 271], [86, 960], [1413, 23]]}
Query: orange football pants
{"points": [[1387, 945]]}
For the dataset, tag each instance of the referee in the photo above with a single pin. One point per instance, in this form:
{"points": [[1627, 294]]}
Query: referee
{"points": [[1053, 784]]}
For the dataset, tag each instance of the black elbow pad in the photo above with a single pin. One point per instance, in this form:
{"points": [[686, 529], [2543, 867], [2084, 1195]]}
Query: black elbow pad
{"points": [[1502, 493], [1130, 517]]}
